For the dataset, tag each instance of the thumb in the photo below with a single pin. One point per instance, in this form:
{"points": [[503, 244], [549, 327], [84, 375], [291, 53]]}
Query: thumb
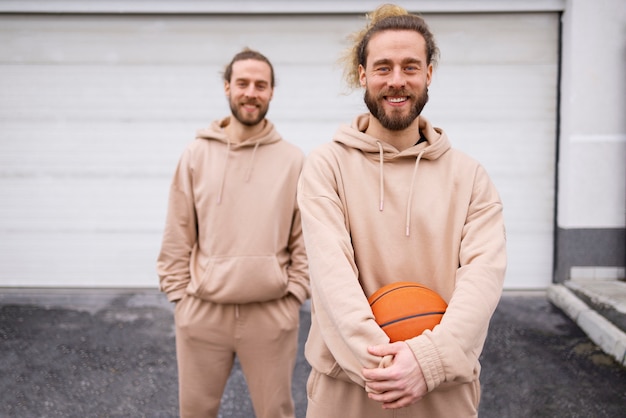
{"points": [[385, 362]]}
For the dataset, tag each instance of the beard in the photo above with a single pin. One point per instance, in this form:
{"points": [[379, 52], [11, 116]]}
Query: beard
{"points": [[245, 118], [394, 121]]}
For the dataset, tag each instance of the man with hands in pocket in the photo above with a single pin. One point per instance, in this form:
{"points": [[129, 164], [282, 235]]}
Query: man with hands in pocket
{"points": [[232, 256]]}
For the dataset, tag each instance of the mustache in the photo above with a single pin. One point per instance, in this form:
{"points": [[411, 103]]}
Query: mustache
{"points": [[395, 92]]}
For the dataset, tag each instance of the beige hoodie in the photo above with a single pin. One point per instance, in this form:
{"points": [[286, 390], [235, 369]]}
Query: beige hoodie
{"points": [[233, 231], [372, 215]]}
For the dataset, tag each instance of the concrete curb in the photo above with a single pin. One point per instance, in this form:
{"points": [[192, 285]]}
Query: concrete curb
{"points": [[607, 336]]}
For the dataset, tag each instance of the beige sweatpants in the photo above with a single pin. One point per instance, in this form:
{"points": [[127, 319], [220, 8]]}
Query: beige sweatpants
{"points": [[264, 337], [334, 398]]}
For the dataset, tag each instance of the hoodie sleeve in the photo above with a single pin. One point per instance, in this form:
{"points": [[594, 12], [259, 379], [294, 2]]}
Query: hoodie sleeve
{"points": [[450, 352], [345, 320], [180, 234], [298, 272]]}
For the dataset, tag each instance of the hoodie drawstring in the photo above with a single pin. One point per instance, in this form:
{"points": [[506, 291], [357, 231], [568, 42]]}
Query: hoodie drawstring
{"points": [[381, 186], [219, 196], [408, 205], [407, 224]]}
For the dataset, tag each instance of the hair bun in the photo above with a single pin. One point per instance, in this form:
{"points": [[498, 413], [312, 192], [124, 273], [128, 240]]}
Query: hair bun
{"points": [[384, 11]]}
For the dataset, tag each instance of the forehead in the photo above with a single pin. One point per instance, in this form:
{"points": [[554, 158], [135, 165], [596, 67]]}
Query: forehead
{"points": [[252, 69], [396, 45]]}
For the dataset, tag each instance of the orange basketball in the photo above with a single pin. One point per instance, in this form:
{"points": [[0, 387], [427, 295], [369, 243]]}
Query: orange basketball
{"points": [[405, 309]]}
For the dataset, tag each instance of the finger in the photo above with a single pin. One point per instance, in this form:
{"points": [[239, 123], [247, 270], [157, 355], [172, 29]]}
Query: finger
{"points": [[382, 350], [370, 374], [369, 389], [388, 397], [401, 402], [377, 375], [378, 387], [385, 362]]}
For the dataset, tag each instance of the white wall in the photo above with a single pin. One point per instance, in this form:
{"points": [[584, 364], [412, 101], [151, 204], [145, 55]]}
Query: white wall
{"points": [[98, 108], [40, 170], [592, 173], [95, 112]]}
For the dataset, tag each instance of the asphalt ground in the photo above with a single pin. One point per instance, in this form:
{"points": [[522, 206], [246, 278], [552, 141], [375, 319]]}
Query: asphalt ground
{"points": [[106, 354]]}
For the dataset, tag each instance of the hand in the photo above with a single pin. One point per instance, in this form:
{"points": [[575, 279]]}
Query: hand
{"points": [[399, 384]]}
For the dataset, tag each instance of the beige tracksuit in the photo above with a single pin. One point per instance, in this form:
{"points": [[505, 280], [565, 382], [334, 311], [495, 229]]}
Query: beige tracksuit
{"points": [[233, 259], [373, 215]]}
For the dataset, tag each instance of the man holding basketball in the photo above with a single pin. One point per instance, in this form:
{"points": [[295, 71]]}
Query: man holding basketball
{"points": [[390, 200], [233, 257]]}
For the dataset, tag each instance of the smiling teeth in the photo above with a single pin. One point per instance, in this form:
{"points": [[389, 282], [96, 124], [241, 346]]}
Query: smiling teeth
{"points": [[396, 99]]}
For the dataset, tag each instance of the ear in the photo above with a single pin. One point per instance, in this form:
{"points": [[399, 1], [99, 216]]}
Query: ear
{"points": [[227, 88], [362, 76], [429, 74]]}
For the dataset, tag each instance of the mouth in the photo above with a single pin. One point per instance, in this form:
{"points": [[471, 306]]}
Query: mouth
{"points": [[396, 100], [396, 97], [249, 107]]}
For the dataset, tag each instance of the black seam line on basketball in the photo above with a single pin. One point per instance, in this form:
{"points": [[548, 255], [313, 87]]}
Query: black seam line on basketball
{"points": [[404, 318], [392, 290]]}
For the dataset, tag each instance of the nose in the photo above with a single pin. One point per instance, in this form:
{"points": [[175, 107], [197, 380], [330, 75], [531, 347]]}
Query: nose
{"points": [[250, 90], [397, 78]]}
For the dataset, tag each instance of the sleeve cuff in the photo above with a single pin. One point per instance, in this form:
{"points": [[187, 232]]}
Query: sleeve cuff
{"points": [[298, 291], [428, 358], [175, 295]]}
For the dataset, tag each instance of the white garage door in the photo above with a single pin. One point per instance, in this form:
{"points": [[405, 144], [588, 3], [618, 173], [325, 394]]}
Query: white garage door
{"points": [[96, 109]]}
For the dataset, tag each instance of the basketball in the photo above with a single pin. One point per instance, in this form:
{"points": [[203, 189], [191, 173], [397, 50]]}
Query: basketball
{"points": [[404, 309]]}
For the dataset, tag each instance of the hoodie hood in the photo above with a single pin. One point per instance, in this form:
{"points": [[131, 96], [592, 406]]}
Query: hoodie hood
{"points": [[354, 136], [216, 132], [432, 144]]}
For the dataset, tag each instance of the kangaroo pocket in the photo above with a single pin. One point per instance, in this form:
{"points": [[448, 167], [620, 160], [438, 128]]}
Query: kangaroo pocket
{"points": [[241, 279]]}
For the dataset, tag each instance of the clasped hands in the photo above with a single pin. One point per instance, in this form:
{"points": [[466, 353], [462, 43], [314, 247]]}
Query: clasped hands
{"points": [[398, 381]]}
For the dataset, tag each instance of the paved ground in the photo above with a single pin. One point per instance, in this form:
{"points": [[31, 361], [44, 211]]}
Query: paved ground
{"points": [[108, 354]]}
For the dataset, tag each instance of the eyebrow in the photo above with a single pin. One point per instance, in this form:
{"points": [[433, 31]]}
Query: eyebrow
{"points": [[248, 80], [404, 61]]}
